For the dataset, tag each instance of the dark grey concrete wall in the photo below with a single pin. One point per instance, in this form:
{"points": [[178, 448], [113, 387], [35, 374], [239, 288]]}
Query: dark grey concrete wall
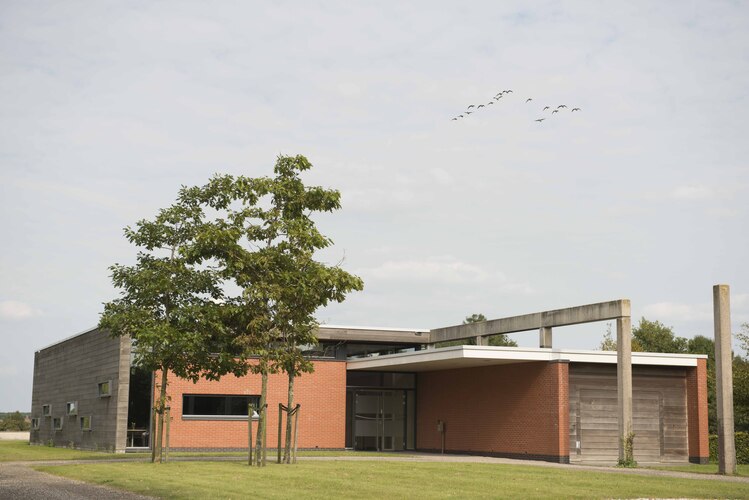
{"points": [[71, 371]]}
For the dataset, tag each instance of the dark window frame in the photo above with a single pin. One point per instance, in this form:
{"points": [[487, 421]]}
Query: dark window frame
{"points": [[189, 412]]}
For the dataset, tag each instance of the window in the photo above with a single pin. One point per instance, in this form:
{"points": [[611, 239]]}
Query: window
{"points": [[85, 423], [46, 410], [34, 424], [217, 406], [105, 389], [57, 423], [71, 408]]}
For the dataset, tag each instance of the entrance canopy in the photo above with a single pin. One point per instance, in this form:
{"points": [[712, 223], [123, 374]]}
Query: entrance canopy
{"points": [[468, 356]]}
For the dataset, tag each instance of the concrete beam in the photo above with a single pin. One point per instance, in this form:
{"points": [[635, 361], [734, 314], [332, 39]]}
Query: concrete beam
{"points": [[724, 379], [373, 335], [602, 311]]}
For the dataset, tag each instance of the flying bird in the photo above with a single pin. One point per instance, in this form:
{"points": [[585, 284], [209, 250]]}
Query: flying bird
{"points": [[490, 102], [471, 106], [555, 111], [529, 99], [469, 112], [508, 91], [575, 109], [547, 107], [480, 106], [454, 119], [540, 120], [562, 106], [460, 116]]}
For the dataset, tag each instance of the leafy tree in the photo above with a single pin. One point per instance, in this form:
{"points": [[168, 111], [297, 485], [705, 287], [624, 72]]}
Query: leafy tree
{"points": [[264, 241], [168, 305], [654, 336], [14, 422], [741, 382]]}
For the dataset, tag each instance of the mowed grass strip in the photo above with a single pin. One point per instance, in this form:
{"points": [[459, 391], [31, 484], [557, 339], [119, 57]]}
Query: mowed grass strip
{"points": [[741, 469], [370, 479], [22, 451]]}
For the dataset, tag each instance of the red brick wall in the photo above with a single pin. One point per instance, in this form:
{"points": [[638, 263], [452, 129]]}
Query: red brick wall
{"points": [[322, 417], [517, 410], [699, 451]]}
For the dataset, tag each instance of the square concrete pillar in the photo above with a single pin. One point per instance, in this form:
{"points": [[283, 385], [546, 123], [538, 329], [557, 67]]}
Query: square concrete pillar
{"points": [[544, 337], [624, 379], [724, 379]]}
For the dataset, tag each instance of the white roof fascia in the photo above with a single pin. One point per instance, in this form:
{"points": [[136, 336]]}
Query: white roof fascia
{"points": [[519, 354]]}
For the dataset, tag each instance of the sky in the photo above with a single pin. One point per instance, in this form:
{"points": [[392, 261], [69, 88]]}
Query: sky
{"points": [[109, 107]]}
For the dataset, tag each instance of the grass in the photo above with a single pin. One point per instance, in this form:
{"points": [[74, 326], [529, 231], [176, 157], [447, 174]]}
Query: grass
{"points": [[741, 469], [369, 479], [21, 451], [13, 451]]}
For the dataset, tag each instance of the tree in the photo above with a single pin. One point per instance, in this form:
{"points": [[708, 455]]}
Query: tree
{"points": [[14, 422], [653, 336], [168, 306], [264, 241]]}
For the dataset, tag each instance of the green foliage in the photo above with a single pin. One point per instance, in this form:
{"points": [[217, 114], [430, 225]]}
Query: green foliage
{"points": [[263, 240], [653, 336], [741, 440], [14, 422], [628, 443], [608, 343], [168, 304]]}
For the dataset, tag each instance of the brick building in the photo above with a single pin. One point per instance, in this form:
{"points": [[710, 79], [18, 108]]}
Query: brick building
{"points": [[392, 390]]}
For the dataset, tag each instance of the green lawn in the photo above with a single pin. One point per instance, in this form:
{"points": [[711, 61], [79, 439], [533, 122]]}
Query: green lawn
{"points": [[370, 479], [11, 451], [741, 470]]}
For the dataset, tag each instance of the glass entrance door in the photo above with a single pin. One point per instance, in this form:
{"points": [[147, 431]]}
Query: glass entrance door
{"points": [[379, 420]]}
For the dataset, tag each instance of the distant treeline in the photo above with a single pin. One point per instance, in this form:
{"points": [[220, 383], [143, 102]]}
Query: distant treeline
{"points": [[14, 421]]}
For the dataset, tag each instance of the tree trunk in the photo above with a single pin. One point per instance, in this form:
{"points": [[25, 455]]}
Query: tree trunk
{"points": [[287, 449], [160, 411], [260, 442]]}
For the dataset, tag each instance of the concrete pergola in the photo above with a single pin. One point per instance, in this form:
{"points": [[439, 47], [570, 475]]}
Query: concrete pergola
{"points": [[619, 310]]}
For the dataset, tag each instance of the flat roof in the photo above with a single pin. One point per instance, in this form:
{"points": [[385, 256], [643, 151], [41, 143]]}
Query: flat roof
{"points": [[467, 356]]}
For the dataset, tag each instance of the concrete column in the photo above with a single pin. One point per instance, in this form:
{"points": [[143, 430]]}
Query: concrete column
{"points": [[724, 379], [481, 340], [544, 337], [624, 379]]}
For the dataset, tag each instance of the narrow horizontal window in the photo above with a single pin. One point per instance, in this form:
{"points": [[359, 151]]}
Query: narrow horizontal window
{"points": [[46, 410], [71, 408], [85, 423], [57, 423], [206, 405], [105, 389]]}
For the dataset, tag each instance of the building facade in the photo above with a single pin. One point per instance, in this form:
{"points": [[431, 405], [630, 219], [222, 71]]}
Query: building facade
{"points": [[387, 390]]}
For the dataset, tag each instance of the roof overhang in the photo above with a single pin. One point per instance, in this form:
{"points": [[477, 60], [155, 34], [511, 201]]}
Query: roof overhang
{"points": [[447, 358]]}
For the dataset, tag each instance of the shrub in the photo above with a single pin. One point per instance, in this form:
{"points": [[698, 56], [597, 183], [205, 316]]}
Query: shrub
{"points": [[742, 447]]}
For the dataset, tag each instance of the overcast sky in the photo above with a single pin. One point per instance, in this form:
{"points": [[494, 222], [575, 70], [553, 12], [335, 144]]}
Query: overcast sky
{"points": [[108, 107]]}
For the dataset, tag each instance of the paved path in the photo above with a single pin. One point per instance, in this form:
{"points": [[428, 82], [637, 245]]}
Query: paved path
{"points": [[19, 481]]}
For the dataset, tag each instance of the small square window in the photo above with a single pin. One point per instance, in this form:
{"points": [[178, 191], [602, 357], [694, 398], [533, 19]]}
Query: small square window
{"points": [[105, 389], [71, 408], [85, 423], [46, 410], [34, 424], [57, 423]]}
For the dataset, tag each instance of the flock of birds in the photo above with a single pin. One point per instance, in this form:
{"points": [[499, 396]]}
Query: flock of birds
{"points": [[473, 108]]}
